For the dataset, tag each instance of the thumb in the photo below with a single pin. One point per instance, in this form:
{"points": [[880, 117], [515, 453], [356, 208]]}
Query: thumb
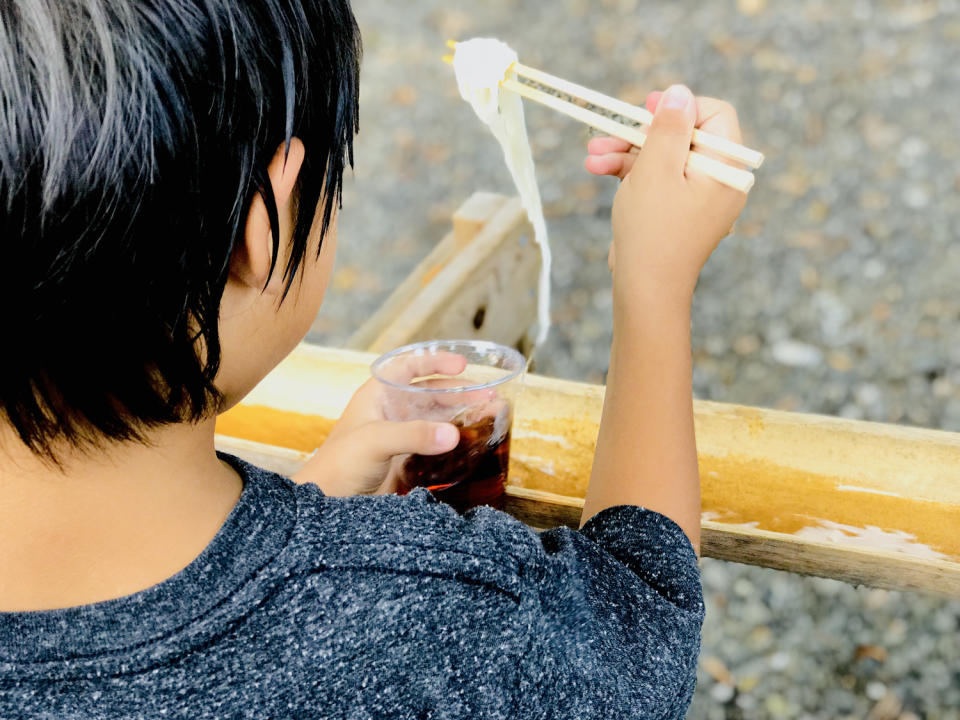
{"points": [[387, 438], [668, 141]]}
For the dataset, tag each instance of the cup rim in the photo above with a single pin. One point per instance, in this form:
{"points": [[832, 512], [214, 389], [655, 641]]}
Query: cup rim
{"points": [[510, 352]]}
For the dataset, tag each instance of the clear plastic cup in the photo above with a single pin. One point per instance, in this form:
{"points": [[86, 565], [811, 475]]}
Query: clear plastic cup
{"points": [[428, 381]]}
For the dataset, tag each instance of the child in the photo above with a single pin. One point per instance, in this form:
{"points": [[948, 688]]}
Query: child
{"points": [[170, 173]]}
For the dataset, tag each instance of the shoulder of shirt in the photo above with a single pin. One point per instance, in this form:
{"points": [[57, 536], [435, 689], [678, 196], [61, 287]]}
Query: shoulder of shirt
{"points": [[415, 534]]}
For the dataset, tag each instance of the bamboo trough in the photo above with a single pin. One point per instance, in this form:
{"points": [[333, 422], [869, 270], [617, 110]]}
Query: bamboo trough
{"points": [[860, 502]]}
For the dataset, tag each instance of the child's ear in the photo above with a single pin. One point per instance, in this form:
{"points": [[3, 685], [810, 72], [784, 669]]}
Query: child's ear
{"points": [[251, 258]]}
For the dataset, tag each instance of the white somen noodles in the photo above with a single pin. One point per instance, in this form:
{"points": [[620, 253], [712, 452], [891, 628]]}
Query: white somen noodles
{"points": [[481, 64]]}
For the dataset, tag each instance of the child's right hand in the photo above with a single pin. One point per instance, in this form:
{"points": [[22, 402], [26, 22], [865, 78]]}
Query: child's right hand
{"points": [[667, 218]]}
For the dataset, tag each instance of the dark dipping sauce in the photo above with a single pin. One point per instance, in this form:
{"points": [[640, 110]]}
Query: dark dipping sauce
{"points": [[473, 473]]}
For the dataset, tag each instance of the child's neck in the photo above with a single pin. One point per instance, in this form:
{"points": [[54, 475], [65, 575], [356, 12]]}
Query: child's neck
{"points": [[112, 522]]}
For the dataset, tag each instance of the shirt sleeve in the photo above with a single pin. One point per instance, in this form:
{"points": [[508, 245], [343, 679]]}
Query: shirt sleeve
{"points": [[620, 613]]}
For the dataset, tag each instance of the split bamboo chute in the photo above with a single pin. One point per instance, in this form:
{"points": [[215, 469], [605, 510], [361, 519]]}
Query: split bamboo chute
{"points": [[857, 501]]}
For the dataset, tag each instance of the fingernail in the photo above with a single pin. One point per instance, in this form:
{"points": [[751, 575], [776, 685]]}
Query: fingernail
{"points": [[447, 436], [677, 97]]}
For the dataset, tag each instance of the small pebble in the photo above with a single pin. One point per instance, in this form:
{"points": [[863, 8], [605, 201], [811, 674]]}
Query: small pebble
{"points": [[722, 693], [777, 705], [779, 661], [793, 353], [874, 268], [916, 197]]}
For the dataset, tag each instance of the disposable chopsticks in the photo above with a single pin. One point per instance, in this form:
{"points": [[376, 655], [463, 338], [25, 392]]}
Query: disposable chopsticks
{"points": [[730, 176], [720, 145]]}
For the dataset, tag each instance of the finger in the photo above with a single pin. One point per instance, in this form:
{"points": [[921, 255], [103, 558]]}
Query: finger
{"points": [[444, 363], [391, 483], [450, 404], [668, 140], [617, 164], [364, 406], [387, 439], [605, 145], [404, 369], [720, 116], [653, 99], [441, 363]]}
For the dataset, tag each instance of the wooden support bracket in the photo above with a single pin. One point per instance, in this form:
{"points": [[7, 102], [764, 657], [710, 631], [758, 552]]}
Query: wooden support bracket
{"points": [[478, 282], [861, 502]]}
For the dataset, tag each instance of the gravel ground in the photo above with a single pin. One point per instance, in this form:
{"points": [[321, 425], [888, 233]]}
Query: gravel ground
{"points": [[836, 295]]}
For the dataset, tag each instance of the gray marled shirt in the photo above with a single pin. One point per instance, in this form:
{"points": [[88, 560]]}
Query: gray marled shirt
{"points": [[378, 607]]}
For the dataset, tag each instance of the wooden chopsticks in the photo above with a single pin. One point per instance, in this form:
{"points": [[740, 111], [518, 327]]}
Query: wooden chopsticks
{"points": [[720, 145], [734, 177]]}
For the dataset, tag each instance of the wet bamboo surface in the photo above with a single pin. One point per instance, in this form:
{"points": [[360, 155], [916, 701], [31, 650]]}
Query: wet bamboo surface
{"points": [[862, 502]]}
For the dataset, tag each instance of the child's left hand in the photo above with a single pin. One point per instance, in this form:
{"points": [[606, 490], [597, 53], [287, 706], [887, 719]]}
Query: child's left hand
{"points": [[355, 459]]}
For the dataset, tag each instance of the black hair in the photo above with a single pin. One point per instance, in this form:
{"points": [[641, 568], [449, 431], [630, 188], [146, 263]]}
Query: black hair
{"points": [[133, 137]]}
